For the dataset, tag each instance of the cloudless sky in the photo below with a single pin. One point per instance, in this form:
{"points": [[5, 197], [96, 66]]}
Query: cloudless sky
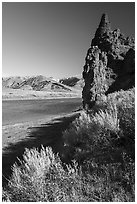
{"points": [[52, 39]]}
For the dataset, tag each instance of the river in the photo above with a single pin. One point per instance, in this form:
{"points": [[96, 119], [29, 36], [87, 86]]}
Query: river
{"points": [[20, 111]]}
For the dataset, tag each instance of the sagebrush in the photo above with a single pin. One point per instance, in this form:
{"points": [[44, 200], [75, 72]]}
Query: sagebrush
{"points": [[99, 151]]}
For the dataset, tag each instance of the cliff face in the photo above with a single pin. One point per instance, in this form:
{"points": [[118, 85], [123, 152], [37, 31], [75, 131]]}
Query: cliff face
{"points": [[109, 63]]}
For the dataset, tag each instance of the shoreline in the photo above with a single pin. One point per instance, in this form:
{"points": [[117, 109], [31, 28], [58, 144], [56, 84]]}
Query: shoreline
{"points": [[17, 137], [37, 95], [40, 98], [13, 133]]}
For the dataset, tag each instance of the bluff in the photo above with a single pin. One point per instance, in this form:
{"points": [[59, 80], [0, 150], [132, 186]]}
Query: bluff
{"points": [[109, 63]]}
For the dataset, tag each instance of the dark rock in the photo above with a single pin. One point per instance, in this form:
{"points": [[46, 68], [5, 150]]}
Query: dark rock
{"points": [[109, 63], [71, 81]]}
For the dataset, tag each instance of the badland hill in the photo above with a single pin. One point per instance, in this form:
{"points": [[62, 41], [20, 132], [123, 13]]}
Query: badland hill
{"points": [[37, 83]]}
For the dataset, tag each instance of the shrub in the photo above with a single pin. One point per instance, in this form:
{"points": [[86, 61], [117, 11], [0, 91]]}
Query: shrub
{"points": [[92, 134], [104, 135], [80, 136], [41, 176], [125, 101], [112, 181], [108, 118], [102, 145]]}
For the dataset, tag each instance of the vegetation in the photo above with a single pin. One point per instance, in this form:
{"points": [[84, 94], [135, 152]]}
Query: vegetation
{"points": [[42, 177], [99, 149]]}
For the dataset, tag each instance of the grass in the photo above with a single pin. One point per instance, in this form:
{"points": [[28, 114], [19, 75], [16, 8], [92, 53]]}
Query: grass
{"points": [[99, 148]]}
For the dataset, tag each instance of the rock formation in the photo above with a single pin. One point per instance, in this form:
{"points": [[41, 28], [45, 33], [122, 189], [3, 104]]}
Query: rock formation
{"points": [[109, 63]]}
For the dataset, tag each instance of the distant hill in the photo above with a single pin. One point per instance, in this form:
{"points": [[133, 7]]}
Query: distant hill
{"points": [[37, 83], [75, 82]]}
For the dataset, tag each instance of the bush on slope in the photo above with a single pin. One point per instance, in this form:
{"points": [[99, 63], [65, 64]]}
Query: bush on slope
{"points": [[102, 145]]}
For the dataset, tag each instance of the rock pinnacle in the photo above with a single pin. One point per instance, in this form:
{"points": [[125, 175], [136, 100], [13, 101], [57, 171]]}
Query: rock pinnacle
{"points": [[103, 28]]}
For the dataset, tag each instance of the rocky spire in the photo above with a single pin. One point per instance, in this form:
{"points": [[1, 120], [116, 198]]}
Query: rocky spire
{"points": [[104, 25], [103, 29]]}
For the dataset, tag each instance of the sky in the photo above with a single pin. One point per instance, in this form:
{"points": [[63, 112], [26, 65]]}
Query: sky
{"points": [[52, 39]]}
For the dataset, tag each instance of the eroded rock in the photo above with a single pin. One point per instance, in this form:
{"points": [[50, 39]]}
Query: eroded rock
{"points": [[109, 63]]}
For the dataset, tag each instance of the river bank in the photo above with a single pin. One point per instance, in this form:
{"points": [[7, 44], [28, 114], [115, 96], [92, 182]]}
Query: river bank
{"points": [[32, 134], [19, 94]]}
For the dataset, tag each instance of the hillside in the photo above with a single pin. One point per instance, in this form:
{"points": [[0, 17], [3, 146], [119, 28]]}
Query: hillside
{"points": [[37, 83], [36, 87], [75, 82]]}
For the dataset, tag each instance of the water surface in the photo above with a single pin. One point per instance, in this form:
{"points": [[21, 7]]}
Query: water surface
{"points": [[18, 111]]}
